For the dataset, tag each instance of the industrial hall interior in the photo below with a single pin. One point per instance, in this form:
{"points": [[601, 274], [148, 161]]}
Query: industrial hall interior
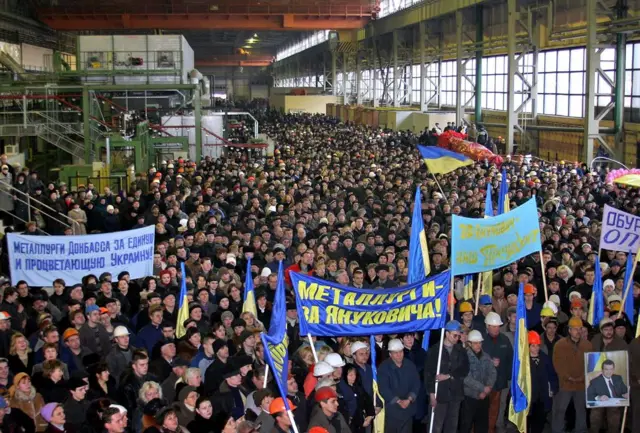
{"points": [[319, 216]]}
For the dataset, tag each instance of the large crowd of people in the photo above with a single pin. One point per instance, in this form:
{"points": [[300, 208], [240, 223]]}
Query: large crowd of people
{"points": [[334, 202]]}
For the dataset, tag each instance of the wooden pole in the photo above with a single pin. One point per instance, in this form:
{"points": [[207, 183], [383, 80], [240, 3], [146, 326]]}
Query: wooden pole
{"points": [[266, 376], [629, 285], [624, 419], [478, 292], [439, 187], [544, 277], [313, 348]]}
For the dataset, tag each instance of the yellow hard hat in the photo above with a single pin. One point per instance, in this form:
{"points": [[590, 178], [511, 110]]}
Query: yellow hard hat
{"points": [[547, 312], [465, 307]]}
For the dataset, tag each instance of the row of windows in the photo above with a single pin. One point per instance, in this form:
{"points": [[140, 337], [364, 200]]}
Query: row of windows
{"points": [[561, 82], [310, 41], [388, 7]]}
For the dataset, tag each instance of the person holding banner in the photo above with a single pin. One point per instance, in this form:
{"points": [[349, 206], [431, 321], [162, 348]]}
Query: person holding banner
{"points": [[452, 363], [399, 384]]}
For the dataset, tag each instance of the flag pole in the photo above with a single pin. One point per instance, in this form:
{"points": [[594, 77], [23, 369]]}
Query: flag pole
{"points": [[478, 292], [629, 284], [624, 419], [433, 409], [439, 187], [313, 348], [293, 421], [266, 376], [544, 277]]}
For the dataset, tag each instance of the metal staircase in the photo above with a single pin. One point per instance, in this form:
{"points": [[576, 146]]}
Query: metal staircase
{"points": [[59, 134]]}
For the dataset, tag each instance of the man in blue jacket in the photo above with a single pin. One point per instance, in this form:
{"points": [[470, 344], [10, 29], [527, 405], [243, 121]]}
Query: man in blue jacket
{"points": [[151, 333], [399, 384]]}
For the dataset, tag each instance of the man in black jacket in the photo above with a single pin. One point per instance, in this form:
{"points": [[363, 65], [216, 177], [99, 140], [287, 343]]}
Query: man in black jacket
{"points": [[133, 379], [76, 405], [454, 367]]}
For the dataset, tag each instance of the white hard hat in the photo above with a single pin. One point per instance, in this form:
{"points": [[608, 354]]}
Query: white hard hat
{"points": [[395, 345], [608, 283], [120, 331], [552, 306], [121, 409], [334, 360], [322, 368], [358, 345], [265, 272], [170, 166], [475, 336], [614, 298], [493, 319], [555, 299], [575, 293]]}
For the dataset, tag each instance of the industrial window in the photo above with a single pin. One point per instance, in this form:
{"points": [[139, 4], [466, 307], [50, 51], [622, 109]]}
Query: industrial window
{"points": [[388, 7], [494, 83], [415, 84], [448, 91], [302, 44], [632, 83], [561, 82]]}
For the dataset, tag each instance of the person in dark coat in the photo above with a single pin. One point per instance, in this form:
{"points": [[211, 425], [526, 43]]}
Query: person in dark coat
{"points": [[229, 397], [543, 381], [76, 405], [202, 420], [53, 387], [133, 379], [355, 404], [399, 384], [15, 420], [213, 375], [454, 367]]}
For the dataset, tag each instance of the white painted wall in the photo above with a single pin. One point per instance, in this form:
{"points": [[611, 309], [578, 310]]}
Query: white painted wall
{"points": [[34, 57]]}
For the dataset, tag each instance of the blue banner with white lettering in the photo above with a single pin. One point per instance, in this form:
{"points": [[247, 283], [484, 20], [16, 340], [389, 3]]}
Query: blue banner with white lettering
{"points": [[480, 245], [39, 260], [329, 309]]}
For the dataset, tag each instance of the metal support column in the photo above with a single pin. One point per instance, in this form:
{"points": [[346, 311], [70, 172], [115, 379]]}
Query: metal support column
{"points": [[334, 71], [345, 80], [396, 77], [439, 79], [197, 113], [423, 66], [479, 42], [512, 116], [459, 68], [359, 82], [594, 72], [618, 113], [86, 125]]}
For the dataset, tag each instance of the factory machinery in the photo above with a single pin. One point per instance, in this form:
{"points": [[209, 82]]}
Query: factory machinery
{"points": [[118, 106]]}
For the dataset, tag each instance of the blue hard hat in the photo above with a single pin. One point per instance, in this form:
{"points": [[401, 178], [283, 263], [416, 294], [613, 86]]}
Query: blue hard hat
{"points": [[453, 325], [485, 300]]}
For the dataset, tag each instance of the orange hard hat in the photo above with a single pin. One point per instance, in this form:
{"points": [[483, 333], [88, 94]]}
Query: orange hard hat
{"points": [[576, 303], [534, 338], [70, 332], [318, 430], [277, 406], [529, 289]]}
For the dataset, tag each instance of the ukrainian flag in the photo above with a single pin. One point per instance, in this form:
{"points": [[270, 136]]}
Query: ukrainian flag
{"points": [[276, 342], [249, 293], [628, 303], [183, 305], [503, 199], [596, 305], [595, 363], [468, 287], [419, 265], [521, 372], [488, 204], [378, 421], [441, 161]]}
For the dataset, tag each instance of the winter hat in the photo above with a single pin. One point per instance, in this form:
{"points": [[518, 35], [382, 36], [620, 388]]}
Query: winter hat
{"points": [[47, 411]]}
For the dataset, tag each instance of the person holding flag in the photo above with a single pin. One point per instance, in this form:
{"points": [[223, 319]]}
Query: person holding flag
{"points": [[520, 371], [544, 383], [249, 303], [183, 305], [568, 361], [276, 351]]}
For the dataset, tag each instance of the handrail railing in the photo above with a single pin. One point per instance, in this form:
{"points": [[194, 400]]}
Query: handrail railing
{"points": [[73, 223]]}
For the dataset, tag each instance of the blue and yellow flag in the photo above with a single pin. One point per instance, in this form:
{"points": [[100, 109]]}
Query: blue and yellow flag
{"points": [[441, 161], [183, 304], [276, 342], [249, 293], [488, 204], [521, 372], [468, 287], [595, 362], [419, 265], [628, 303], [503, 198], [596, 305], [378, 421]]}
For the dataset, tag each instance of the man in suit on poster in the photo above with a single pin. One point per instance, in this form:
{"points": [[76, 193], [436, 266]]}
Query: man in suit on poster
{"points": [[607, 385]]}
